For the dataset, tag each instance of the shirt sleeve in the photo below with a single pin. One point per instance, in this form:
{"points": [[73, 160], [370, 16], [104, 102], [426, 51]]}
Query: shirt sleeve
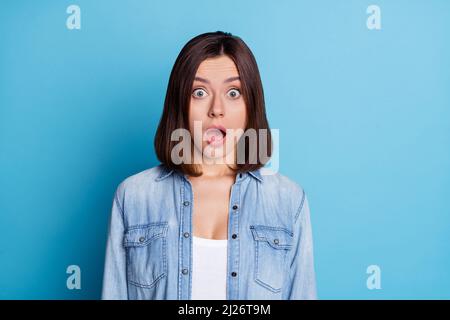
{"points": [[114, 274], [302, 280]]}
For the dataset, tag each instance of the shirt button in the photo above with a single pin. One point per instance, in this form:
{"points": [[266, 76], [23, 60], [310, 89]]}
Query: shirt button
{"points": [[234, 236], [276, 241], [141, 239], [186, 203], [186, 234], [235, 207], [233, 274], [184, 271]]}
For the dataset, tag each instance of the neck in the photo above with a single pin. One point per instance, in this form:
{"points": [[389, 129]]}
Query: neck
{"points": [[216, 170]]}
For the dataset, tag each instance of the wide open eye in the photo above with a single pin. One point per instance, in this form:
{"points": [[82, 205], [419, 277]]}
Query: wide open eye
{"points": [[199, 93], [234, 93]]}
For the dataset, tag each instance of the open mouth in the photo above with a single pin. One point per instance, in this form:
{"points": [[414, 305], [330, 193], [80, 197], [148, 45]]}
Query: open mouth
{"points": [[215, 135]]}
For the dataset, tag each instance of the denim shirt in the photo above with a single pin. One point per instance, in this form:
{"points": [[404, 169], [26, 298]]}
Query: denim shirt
{"points": [[149, 242]]}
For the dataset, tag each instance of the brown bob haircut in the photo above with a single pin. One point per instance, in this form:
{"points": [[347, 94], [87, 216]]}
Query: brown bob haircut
{"points": [[176, 105]]}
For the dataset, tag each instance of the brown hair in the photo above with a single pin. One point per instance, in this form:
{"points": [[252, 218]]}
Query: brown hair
{"points": [[176, 105]]}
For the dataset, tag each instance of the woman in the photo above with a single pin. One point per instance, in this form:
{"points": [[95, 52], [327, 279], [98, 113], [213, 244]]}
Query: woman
{"points": [[208, 222]]}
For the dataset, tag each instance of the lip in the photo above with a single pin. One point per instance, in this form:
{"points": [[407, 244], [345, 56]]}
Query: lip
{"points": [[219, 127]]}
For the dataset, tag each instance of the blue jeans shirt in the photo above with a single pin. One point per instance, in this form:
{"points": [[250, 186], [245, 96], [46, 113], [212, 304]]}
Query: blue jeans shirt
{"points": [[149, 243]]}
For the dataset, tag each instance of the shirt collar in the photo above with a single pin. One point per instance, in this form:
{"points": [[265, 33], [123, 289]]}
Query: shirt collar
{"points": [[256, 174], [165, 172]]}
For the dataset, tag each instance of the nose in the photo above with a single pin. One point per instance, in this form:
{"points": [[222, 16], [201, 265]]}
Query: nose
{"points": [[216, 109]]}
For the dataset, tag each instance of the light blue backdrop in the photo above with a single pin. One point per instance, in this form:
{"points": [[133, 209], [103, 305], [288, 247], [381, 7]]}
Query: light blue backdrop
{"points": [[364, 119]]}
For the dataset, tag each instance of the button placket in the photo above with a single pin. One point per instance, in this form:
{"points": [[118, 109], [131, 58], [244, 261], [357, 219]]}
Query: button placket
{"points": [[185, 241], [233, 258]]}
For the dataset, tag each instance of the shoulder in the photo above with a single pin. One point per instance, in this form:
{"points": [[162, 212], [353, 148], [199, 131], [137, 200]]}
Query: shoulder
{"points": [[282, 181], [287, 189], [142, 181]]}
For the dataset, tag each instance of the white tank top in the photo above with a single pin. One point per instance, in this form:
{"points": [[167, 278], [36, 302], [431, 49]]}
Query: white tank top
{"points": [[209, 270]]}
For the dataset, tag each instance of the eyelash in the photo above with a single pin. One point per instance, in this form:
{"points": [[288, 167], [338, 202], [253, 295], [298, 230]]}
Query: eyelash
{"points": [[237, 91], [193, 91]]}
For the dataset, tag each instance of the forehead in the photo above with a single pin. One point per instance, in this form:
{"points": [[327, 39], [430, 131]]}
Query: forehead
{"points": [[217, 67]]}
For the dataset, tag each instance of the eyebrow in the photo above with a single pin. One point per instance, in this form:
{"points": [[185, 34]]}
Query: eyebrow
{"points": [[225, 81]]}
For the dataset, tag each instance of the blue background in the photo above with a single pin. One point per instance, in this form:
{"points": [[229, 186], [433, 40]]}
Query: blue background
{"points": [[364, 119]]}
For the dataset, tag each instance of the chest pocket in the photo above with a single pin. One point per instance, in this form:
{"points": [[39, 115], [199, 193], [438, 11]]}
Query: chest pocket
{"points": [[271, 247], [146, 253]]}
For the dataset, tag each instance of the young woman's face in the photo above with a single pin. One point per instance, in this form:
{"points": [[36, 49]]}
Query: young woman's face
{"points": [[216, 100]]}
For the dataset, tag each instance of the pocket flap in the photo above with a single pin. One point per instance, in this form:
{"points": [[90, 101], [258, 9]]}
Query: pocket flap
{"points": [[276, 237], [141, 235]]}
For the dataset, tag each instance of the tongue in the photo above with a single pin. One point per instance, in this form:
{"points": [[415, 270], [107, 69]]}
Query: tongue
{"points": [[213, 135]]}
